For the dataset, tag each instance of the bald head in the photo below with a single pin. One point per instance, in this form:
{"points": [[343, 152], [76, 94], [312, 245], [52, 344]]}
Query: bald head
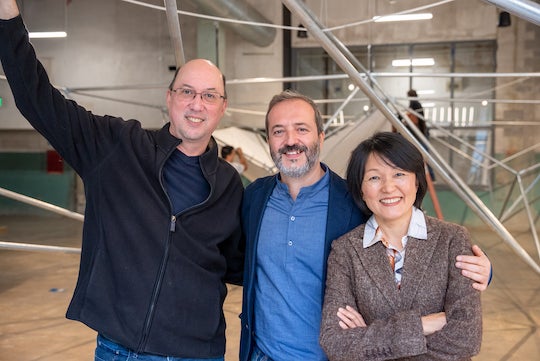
{"points": [[199, 66]]}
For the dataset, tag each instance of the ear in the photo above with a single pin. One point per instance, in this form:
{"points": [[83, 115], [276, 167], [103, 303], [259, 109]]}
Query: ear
{"points": [[224, 106], [168, 98]]}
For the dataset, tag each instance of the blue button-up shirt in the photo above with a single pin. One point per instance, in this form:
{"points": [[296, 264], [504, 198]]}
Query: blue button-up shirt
{"points": [[290, 261]]}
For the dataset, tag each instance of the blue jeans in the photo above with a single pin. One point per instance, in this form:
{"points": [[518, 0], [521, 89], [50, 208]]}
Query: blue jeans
{"points": [[108, 350], [258, 355]]}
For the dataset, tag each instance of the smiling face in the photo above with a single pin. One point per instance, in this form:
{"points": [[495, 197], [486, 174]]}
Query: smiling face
{"points": [[193, 120], [388, 191], [293, 138]]}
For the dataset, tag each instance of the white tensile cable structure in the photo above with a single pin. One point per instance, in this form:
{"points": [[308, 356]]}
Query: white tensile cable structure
{"points": [[367, 83]]}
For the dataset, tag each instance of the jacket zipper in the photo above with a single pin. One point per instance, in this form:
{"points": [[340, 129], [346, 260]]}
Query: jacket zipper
{"points": [[155, 292], [157, 285], [161, 273]]}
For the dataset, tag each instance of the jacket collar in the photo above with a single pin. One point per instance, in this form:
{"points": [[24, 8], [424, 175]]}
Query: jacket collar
{"points": [[167, 143], [417, 261]]}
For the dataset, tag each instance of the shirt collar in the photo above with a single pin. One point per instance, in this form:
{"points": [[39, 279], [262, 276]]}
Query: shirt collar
{"points": [[309, 190], [417, 228]]}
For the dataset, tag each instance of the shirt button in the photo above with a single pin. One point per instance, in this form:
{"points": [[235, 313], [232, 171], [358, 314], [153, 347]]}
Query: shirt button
{"points": [[290, 243], [293, 218]]}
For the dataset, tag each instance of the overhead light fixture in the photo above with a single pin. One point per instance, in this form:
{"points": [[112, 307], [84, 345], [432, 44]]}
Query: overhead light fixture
{"points": [[403, 17], [413, 62], [425, 92], [47, 34]]}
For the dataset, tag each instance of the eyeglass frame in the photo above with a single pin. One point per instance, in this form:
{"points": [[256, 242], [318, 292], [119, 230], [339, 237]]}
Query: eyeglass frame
{"points": [[176, 91]]}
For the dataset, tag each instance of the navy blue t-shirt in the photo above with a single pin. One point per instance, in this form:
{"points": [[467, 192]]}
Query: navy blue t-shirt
{"points": [[184, 181]]}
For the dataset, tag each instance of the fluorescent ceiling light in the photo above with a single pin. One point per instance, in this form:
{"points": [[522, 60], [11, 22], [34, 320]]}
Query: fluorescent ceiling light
{"points": [[425, 92], [404, 17], [415, 62], [47, 34]]}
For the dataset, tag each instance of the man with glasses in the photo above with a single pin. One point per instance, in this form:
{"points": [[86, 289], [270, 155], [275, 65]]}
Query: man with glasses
{"points": [[152, 273]]}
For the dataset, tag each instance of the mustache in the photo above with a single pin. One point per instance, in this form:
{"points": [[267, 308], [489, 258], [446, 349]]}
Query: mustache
{"points": [[294, 147]]}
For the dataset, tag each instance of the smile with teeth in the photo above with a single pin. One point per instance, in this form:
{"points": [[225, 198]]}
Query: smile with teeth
{"points": [[194, 119], [390, 200], [293, 152]]}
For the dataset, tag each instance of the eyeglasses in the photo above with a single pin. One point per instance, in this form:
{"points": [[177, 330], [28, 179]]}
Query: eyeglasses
{"points": [[207, 97]]}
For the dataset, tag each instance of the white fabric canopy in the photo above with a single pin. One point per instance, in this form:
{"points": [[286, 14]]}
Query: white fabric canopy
{"points": [[253, 146], [337, 147], [335, 152]]}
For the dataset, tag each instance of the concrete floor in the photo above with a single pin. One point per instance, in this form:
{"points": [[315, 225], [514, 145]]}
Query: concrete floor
{"points": [[35, 289]]}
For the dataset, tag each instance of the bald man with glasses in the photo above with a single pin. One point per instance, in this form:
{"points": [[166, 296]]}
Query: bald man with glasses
{"points": [[152, 273]]}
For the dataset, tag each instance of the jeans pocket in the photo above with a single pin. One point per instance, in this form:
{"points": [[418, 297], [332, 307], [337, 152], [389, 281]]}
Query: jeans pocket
{"points": [[108, 351]]}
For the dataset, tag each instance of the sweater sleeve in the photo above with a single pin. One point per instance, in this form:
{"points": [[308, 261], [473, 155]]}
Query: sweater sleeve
{"points": [[397, 336], [462, 335], [80, 137]]}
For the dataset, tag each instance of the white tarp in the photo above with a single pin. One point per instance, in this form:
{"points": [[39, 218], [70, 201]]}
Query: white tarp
{"points": [[253, 146], [337, 148], [335, 152]]}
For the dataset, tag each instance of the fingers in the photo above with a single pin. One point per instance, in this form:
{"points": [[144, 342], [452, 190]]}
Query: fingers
{"points": [[477, 251], [477, 268], [350, 318], [433, 322], [480, 286], [479, 258]]}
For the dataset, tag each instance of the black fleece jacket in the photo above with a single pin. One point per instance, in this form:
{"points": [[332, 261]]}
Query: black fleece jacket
{"points": [[149, 280]]}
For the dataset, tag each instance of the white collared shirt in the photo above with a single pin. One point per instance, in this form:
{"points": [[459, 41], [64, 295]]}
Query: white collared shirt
{"points": [[417, 229]]}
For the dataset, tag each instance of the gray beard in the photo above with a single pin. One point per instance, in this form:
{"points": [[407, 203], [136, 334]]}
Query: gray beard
{"points": [[312, 155]]}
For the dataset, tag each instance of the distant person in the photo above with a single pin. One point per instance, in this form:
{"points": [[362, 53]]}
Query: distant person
{"points": [[416, 115], [418, 112], [154, 259], [230, 154], [290, 220], [392, 290]]}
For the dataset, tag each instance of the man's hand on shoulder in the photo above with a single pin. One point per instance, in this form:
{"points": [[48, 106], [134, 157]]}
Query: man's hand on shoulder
{"points": [[477, 268]]}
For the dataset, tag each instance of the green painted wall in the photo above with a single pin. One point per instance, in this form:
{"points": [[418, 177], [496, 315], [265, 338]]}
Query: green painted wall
{"points": [[26, 173]]}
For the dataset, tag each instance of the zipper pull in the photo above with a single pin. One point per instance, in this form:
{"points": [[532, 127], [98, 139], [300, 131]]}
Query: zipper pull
{"points": [[173, 224]]}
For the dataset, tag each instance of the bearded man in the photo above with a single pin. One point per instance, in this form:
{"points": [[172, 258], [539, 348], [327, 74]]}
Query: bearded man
{"points": [[290, 220]]}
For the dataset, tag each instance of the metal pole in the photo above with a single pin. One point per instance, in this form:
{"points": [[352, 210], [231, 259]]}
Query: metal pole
{"points": [[41, 204], [37, 247], [174, 32], [525, 9], [457, 184]]}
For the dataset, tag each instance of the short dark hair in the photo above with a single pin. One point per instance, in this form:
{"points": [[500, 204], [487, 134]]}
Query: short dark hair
{"points": [[412, 93], [178, 70], [395, 150], [226, 150], [294, 95]]}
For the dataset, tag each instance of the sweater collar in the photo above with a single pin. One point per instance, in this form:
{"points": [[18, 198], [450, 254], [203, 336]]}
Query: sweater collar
{"points": [[167, 142]]}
